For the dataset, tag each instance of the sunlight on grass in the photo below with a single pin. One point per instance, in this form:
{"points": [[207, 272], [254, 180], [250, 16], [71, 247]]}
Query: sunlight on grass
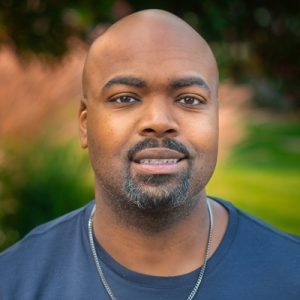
{"points": [[262, 175], [273, 196]]}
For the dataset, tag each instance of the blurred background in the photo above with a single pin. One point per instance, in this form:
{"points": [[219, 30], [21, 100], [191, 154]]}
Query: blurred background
{"points": [[43, 171]]}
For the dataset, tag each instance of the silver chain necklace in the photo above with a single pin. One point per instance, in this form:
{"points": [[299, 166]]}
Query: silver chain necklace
{"points": [[201, 273]]}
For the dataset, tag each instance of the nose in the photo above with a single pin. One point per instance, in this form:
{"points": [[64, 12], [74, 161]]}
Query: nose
{"points": [[158, 121]]}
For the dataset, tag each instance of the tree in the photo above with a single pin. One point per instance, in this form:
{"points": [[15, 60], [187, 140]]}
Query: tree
{"points": [[253, 39]]}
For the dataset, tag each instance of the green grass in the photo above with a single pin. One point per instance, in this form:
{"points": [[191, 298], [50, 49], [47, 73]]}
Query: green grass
{"points": [[262, 175], [269, 145], [274, 196]]}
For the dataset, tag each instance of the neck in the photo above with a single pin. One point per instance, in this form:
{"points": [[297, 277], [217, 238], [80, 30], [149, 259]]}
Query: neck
{"points": [[166, 243]]}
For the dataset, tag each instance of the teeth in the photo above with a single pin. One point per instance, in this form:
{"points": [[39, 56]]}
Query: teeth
{"points": [[159, 161]]}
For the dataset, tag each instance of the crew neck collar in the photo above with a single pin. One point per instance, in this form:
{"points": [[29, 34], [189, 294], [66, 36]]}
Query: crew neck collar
{"points": [[168, 281]]}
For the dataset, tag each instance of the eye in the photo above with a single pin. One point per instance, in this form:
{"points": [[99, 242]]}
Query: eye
{"points": [[190, 101], [124, 100]]}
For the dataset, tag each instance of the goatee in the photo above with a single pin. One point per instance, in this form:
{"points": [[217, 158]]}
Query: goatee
{"points": [[158, 191]]}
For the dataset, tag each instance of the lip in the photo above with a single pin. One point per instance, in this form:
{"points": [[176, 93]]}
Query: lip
{"points": [[157, 153], [158, 161]]}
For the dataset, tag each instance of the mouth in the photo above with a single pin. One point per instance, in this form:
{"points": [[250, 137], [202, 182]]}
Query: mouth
{"points": [[158, 161]]}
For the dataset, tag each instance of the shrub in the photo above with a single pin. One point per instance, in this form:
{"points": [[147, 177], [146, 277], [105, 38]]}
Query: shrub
{"points": [[39, 182]]}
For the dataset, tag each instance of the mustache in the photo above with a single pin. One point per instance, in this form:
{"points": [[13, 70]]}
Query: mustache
{"points": [[153, 143]]}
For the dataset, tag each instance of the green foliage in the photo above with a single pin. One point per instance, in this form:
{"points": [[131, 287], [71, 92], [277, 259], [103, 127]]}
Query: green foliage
{"points": [[262, 174], [38, 183], [45, 27], [252, 39], [269, 145]]}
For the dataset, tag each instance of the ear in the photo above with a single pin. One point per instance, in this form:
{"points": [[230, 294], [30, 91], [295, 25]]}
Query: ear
{"points": [[83, 124]]}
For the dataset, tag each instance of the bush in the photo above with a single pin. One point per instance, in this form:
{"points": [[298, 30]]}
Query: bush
{"points": [[39, 182]]}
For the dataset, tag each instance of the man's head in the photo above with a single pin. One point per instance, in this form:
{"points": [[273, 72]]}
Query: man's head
{"points": [[149, 116]]}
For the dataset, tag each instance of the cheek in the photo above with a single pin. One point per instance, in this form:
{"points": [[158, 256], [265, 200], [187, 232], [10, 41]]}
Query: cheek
{"points": [[204, 162], [204, 140], [108, 137], [101, 142], [101, 132], [204, 136]]}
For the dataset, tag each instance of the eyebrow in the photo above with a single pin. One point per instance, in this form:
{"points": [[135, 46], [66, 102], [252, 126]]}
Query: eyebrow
{"points": [[126, 80], [189, 81], [175, 84]]}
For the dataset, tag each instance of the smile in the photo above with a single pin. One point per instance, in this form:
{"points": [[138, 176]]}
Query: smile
{"points": [[158, 161]]}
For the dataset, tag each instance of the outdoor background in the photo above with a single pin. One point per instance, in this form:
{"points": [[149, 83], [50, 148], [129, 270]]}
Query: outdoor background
{"points": [[43, 171]]}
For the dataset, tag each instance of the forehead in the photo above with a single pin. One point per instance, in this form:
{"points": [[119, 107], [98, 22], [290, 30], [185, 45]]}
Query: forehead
{"points": [[159, 54]]}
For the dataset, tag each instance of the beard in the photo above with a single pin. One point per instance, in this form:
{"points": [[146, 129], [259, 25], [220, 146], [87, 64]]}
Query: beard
{"points": [[157, 192], [151, 203]]}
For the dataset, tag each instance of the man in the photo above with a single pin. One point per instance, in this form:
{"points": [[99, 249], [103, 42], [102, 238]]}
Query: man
{"points": [[149, 119]]}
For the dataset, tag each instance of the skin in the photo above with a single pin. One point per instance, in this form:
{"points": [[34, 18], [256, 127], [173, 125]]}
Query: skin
{"points": [[169, 91]]}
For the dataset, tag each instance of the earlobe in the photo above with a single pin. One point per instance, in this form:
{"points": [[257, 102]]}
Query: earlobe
{"points": [[83, 124]]}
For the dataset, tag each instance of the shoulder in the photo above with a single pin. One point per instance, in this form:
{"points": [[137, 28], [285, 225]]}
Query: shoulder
{"points": [[266, 232], [257, 228], [260, 241], [43, 256], [42, 240], [260, 253]]}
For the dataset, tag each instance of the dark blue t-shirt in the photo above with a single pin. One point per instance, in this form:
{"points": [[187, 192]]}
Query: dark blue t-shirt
{"points": [[54, 261]]}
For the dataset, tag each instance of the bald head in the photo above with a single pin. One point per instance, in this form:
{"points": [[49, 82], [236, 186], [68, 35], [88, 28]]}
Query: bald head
{"points": [[150, 77], [155, 31]]}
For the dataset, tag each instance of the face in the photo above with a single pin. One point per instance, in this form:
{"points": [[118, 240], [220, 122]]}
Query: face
{"points": [[150, 121]]}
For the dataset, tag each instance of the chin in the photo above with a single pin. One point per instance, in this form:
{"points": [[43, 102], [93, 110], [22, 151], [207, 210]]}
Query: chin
{"points": [[158, 192]]}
